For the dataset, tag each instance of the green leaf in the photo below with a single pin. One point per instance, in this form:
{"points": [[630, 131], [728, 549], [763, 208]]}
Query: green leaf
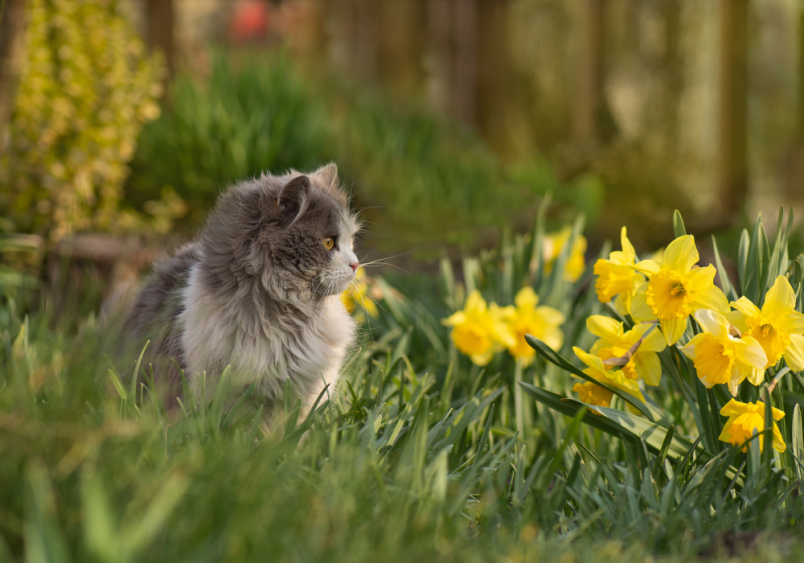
{"points": [[678, 224], [742, 261], [571, 408], [763, 263], [555, 358], [797, 450], [723, 275]]}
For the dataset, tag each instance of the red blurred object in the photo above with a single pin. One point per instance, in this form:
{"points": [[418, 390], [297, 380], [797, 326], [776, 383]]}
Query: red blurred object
{"points": [[251, 20]]}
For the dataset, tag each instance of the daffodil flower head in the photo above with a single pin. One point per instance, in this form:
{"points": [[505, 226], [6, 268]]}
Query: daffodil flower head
{"points": [[778, 327], [592, 394], [540, 321], [744, 419], [615, 378], [554, 243], [676, 288], [617, 277], [358, 295], [480, 330], [720, 357], [615, 343]]}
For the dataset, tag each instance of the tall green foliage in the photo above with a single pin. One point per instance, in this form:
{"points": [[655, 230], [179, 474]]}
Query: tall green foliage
{"points": [[86, 89]]}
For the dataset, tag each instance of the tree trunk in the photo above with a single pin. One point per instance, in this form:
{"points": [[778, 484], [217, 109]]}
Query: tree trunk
{"points": [[732, 169], [12, 45], [493, 91], [589, 93], [439, 57], [160, 18], [464, 68], [400, 46]]}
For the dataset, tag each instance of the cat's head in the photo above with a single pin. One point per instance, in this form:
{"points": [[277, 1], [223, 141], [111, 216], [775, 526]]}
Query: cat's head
{"points": [[292, 232]]}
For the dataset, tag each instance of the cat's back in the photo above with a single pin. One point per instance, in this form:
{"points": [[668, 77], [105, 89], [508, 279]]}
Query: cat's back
{"points": [[159, 300]]}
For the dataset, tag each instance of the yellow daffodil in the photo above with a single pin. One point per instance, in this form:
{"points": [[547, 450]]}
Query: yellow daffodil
{"points": [[676, 288], [744, 418], [479, 330], [554, 243], [778, 327], [599, 372], [542, 322], [615, 343], [617, 277], [357, 295], [720, 357], [592, 394]]}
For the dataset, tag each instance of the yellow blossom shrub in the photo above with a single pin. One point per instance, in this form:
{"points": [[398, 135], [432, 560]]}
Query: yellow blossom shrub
{"points": [[86, 88]]}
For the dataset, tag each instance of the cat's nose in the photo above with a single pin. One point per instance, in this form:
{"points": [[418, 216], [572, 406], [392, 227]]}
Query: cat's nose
{"points": [[354, 266]]}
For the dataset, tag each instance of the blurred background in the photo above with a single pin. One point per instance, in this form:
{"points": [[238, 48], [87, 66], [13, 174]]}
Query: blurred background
{"points": [[450, 120]]}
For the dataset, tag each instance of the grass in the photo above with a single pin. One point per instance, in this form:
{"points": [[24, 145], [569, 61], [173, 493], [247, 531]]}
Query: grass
{"points": [[415, 457]]}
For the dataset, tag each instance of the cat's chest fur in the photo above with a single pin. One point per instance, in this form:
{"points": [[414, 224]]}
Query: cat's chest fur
{"points": [[262, 341]]}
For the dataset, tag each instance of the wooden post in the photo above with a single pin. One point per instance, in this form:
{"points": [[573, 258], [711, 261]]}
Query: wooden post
{"points": [[732, 134], [160, 18], [493, 91], [464, 67], [401, 46], [589, 90], [12, 45]]}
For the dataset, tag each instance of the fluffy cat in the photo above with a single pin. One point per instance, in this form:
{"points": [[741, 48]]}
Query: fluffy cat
{"points": [[258, 290]]}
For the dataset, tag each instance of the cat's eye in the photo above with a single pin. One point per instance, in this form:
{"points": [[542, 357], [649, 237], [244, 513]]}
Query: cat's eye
{"points": [[329, 243]]}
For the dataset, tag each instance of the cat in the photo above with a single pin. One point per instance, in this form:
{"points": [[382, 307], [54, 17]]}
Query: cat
{"points": [[258, 290]]}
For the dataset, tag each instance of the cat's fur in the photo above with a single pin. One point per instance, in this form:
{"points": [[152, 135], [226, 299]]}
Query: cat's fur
{"points": [[257, 290]]}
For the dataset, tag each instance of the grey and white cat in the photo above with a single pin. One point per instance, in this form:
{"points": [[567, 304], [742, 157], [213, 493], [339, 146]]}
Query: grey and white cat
{"points": [[258, 290]]}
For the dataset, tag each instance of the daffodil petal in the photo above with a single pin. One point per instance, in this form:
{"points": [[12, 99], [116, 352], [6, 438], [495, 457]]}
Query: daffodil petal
{"points": [[648, 367], [681, 254], [647, 267], [550, 316], [627, 247], [738, 374], [734, 408], [592, 361], [640, 310], [526, 297], [791, 321], [778, 441], [475, 303], [689, 348], [482, 359], [673, 329], [738, 320], [622, 303], [712, 322], [604, 327], [711, 298], [746, 307], [725, 434], [454, 319], [751, 353], [554, 338], [794, 353], [654, 341], [779, 297]]}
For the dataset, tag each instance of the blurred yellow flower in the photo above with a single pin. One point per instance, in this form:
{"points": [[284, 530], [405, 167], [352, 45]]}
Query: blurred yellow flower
{"points": [[617, 277], [720, 357], [592, 394], [541, 322], [778, 327], [615, 343], [744, 418], [676, 288], [554, 243], [357, 295], [479, 330], [615, 378]]}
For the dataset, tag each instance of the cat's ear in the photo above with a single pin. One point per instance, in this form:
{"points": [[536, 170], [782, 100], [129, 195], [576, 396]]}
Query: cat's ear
{"points": [[328, 175], [293, 198]]}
